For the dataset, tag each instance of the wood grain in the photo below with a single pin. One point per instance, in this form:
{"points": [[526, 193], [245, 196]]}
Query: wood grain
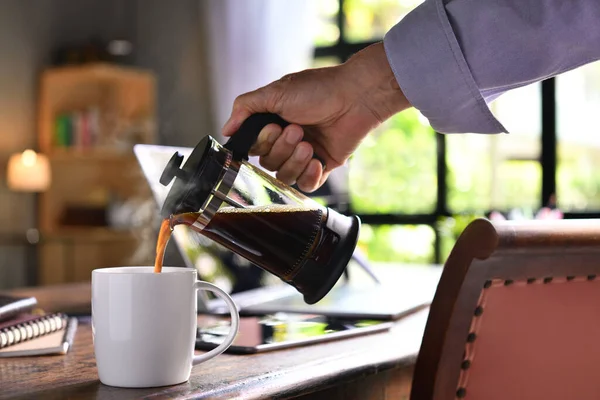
{"points": [[72, 298], [372, 367]]}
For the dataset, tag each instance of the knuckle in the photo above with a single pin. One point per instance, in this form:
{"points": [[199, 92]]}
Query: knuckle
{"points": [[288, 77], [239, 101]]}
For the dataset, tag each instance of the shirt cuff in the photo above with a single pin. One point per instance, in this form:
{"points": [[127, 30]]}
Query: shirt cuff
{"points": [[433, 74]]}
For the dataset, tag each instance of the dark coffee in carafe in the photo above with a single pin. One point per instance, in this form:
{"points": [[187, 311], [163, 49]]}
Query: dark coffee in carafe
{"points": [[277, 238]]}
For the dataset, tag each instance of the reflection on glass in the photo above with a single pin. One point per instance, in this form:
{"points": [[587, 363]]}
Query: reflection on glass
{"points": [[397, 243], [368, 20], [578, 119], [394, 169], [327, 32], [499, 172]]}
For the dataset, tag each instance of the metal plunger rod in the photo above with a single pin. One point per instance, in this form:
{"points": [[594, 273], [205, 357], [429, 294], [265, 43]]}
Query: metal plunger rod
{"points": [[227, 200]]}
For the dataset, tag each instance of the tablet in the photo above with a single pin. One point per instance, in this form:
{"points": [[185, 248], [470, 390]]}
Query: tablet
{"points": [[259, 334]]}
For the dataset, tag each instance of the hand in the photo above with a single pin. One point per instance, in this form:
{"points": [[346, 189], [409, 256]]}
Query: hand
{"points": [[330, 110]]}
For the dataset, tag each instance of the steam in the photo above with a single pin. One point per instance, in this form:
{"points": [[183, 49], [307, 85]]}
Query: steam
{"points": [[147, 220]]}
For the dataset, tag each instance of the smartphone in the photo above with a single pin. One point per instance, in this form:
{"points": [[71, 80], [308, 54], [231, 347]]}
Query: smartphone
{"points": [[259, 334]]}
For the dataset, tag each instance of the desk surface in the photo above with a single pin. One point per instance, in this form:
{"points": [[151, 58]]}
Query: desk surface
{"points": [[277, 374]]}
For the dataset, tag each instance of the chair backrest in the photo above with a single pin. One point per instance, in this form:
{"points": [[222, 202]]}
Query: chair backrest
{"points": [[516, 315]]}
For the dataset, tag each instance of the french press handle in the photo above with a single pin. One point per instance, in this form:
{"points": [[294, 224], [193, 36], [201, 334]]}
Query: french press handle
{"points": [[241, 142]]}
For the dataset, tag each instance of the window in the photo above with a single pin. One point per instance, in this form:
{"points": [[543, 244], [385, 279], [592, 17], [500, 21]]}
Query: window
{"points": [[499, 172], [427, 187], [578, 122], [394, 169]]}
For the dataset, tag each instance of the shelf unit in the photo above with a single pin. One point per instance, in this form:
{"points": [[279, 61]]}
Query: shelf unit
{"points": [[90, 117]]}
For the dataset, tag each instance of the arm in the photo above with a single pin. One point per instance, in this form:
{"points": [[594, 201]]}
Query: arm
{"points": [[452, 57]]}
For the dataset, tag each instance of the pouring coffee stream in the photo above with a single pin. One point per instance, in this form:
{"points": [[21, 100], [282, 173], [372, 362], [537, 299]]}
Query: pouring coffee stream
{"points": [[219, 194], [164, 234]]}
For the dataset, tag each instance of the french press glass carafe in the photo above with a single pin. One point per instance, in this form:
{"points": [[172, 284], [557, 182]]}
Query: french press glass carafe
{"points": [[253, 214]]}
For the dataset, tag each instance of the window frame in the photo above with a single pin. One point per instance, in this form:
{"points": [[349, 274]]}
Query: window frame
{"points": [[342, 50]]}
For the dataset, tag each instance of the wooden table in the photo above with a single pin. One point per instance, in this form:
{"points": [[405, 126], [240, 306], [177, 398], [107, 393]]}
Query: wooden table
{"points": [[377, 366]]}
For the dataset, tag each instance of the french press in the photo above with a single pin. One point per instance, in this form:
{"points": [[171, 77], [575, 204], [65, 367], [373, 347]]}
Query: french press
{"points": [[251, 213]]}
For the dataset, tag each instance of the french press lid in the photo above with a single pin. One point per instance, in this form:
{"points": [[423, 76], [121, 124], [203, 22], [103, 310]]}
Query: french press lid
{"points": [[197, 179]]}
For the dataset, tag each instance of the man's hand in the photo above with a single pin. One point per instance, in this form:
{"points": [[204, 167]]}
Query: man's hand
{"points": [[330, 111]]}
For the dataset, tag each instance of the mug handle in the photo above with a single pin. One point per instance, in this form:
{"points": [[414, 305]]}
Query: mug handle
{"points": [[235, 322]]}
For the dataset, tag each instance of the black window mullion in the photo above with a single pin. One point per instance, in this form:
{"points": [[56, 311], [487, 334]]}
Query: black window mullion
{"points": [[341, 22], [442, 191], [442, 172], [548, 157]]}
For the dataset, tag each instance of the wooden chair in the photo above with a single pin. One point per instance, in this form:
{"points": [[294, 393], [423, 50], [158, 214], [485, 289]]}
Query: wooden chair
{"points": [[516, 315]]}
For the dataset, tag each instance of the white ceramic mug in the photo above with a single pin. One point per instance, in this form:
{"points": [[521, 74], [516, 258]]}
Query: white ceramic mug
{"points": [[144, 325]]}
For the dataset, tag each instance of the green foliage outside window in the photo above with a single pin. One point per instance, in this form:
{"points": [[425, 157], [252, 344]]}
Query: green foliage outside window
{"points": [[398, 243], [326, 31], [578, 171], [578, 177], [394, 169], [368, 20]]}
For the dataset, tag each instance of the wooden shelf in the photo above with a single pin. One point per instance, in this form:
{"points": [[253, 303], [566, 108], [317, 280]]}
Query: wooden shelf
{"points": [[97, 71], [89, 234], [60, 155], [87, 174]]}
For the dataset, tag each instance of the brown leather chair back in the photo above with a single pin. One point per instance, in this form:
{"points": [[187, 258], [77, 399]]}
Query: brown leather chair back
{"points": [[516, 315]]}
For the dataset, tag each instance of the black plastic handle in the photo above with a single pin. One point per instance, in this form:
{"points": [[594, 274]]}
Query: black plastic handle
{"points": [[241, 142]]}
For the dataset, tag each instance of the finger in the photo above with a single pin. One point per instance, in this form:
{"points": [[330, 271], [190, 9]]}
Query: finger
{"points": [[244, 106], [238, 116], [296, 164], [310, 179], [283, 148], [266, 138], [324, 177]]}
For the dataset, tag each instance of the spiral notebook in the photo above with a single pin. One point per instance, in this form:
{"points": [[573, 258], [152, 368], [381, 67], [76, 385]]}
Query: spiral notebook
{"points": [[30, 335]]}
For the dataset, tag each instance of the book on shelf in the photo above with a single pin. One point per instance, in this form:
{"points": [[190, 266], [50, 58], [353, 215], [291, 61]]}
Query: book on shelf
{"points": [[77, 129]]}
